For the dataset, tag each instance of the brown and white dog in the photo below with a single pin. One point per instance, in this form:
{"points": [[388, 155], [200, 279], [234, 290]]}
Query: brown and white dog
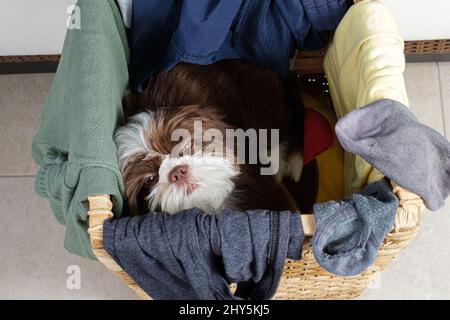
{"points": [[198, 168]]}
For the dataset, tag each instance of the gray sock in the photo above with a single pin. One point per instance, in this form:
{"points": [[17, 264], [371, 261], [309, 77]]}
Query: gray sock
{"points": [[349, 233], [389, 137]]}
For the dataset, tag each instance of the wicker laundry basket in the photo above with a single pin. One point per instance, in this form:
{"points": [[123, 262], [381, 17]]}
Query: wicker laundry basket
{"points": [[304, 279]]}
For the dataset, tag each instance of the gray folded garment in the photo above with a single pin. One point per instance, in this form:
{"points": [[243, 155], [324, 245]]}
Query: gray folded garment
{"points": [[349, 233], [192, 255], [390, 138]]}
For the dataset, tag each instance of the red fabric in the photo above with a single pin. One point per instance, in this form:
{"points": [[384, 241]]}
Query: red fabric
{"points": [[318, 135]]}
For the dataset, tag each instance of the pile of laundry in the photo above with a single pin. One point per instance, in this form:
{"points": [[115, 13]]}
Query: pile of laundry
{"points": [[124, 42], [195, 255]]}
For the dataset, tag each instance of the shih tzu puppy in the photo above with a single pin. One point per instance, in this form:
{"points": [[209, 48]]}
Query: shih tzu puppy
{"points": [[213, 136]]}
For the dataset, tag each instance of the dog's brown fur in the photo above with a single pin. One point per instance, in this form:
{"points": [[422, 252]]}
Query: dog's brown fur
{"points": [[226, 94]]}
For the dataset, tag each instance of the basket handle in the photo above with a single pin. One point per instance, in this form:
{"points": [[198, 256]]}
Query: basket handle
{"points": [[99, 210], [309, 224], [408, 216]]}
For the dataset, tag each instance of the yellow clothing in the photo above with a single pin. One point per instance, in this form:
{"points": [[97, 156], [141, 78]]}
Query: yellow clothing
{"points": [[364, 63]]}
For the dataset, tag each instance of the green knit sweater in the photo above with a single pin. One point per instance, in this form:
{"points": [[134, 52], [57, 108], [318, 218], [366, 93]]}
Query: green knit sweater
{"points": [[74, 146]]}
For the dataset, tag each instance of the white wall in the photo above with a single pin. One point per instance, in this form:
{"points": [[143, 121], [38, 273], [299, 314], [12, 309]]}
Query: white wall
{"points": [[421, 19], [29, 27], [38, 26]]}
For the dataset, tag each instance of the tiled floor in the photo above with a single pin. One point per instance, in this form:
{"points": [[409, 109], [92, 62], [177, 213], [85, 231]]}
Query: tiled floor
{"points": [[33, 263], [421, 271]]}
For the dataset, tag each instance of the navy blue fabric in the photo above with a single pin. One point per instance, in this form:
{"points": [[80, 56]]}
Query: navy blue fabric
{"points": [[192, 255], [265, 32]]}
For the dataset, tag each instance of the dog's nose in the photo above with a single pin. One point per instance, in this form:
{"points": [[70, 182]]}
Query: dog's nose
{"points": [[178, 173]]}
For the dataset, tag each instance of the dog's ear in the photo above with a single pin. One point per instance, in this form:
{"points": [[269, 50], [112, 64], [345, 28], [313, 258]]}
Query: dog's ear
{"points": [[130, 139], [133, 186], [134, 192], [135, 172]]}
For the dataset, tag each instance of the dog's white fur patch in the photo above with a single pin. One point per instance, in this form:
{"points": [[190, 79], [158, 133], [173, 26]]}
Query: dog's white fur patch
{"points": [[130, 139], [213, 176], [282, 164], [294, 166]]}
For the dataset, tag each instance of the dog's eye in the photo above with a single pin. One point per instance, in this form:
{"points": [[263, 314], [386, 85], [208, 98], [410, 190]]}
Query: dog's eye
{"points": [[150, 180]]}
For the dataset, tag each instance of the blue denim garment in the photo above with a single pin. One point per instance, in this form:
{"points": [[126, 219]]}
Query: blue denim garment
{"points": [[349, 233], [265, 32], [193, 255]]}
